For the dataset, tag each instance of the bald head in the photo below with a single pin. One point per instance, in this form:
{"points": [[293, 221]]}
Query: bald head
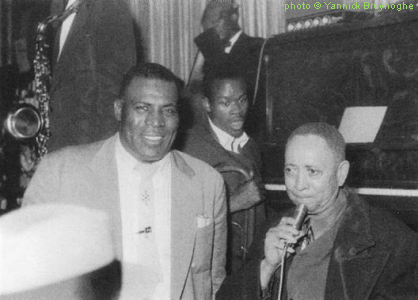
{"points": [[330, 134]]}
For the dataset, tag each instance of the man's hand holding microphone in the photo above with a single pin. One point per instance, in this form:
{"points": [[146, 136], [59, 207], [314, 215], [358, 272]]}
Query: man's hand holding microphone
{"points": [[279, 240]]}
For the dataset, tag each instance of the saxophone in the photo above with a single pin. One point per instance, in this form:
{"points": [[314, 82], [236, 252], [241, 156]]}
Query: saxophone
{"points": [[42, 80]]}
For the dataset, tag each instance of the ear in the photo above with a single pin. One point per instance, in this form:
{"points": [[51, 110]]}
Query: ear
{"points": [[342, 172], [117, 108], [206, 104]]}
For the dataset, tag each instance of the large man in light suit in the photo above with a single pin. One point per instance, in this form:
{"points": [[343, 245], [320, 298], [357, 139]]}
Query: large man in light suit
{"points": [[189, 195]]}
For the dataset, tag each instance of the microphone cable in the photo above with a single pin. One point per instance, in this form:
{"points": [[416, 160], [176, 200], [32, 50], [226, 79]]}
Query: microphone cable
{"points": [[281, 283]]}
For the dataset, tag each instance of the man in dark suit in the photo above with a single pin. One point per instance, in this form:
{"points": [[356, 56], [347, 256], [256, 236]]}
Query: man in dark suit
{"points": [[224, 45], [168, 209], [346, 249], [94, 47]]}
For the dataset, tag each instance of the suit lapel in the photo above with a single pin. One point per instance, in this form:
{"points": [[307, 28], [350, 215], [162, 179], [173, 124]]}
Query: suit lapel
{"points": [[184, 209], [353, 270], [359, 273], [104, 173]]}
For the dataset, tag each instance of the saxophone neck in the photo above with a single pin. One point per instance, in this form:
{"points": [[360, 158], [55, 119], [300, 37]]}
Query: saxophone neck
{"points": [[40, 31], [42, 26]]}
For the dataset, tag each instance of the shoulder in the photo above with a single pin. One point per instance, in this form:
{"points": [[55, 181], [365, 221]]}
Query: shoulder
{"points": [[77, 155], [199, 143], [194, 135], [79, 151], [385, 226], [200, 168], [252, 145], [252, 151], [200, 130], [252, 42]]}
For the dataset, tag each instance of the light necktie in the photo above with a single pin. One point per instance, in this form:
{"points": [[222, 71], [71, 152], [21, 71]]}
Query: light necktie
{"points": [[147, 246], [232, 144], [238, 143], [146, 199]]}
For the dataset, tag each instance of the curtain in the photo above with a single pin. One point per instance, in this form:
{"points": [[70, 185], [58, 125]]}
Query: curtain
{"points": [[168, 27]]}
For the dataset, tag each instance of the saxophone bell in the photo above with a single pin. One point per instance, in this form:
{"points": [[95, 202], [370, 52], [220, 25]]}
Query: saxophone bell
{"points": [[23, 122]]}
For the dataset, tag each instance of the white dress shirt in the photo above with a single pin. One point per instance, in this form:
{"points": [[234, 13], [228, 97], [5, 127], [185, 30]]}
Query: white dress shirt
{"points": [[133, 216], [232, 41], [66, 26]]}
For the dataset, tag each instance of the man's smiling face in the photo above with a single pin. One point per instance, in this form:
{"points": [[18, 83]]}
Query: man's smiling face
{"points": [[149, 118]]}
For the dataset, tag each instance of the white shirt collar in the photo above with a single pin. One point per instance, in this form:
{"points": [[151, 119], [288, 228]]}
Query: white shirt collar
{"points": [[232, 41], [227, 141], [127, 161]]}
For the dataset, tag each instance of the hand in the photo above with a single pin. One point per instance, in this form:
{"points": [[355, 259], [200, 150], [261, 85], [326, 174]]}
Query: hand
{"points": [[277, 237], [245, 197], [274, 245]]}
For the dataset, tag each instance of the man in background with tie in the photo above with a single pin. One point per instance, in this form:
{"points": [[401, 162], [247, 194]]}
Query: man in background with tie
{"points": [[349, 250], [219, 139], [94, 47], [168, 209]]}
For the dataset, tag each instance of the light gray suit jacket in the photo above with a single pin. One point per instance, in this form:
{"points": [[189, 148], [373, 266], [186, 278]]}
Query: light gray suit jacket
{"points": [[87, 175]]}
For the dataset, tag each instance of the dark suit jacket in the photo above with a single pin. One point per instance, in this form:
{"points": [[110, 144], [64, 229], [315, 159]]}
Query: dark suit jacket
{"points": [[87, 175], [99, 50], [375, 256]]}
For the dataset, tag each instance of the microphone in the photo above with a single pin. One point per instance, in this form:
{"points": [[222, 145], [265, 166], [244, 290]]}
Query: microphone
{"points": [[300, 213]]}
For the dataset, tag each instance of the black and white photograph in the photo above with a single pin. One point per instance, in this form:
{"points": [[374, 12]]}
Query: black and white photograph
{"points": [[208, 149]]}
